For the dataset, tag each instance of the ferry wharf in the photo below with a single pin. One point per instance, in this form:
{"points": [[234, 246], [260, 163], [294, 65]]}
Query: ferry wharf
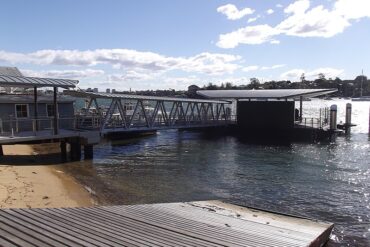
{"points": [[204, 223], [21, 120]]}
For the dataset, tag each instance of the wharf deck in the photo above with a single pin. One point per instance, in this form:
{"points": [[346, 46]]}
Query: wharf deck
{"points": [[47, 135], [207, 223]]}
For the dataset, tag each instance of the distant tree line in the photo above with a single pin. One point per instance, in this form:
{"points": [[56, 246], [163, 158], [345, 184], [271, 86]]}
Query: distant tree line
{"points": [[346, 88]]}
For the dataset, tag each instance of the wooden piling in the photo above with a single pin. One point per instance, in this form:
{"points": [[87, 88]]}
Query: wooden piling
{"points": [[348, 118], [88, 152], [63, 150], [333, 117], [75, 149]]}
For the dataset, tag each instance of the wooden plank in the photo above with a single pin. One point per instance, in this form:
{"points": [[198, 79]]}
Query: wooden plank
{"points": [[65, 233], [15, 236], [126, 224], [36, 227], [257, 227], [169, 224], [101, 236], [7, 243], [221, 235], [151, 227], [213, 234], [21, 227], [100, 227], [85, 235], [194, 225]]}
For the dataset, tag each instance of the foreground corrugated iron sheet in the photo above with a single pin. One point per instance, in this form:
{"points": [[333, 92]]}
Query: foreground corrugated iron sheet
{"points": [[208, 223]]}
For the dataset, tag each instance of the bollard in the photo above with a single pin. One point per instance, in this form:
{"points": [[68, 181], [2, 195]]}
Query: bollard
{"points": [[347, 125], [333, 117]]}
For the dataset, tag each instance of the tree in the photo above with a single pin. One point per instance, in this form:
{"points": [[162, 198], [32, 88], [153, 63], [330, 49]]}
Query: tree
{"points": [[211, 86], [228, 85], [321, 76], [303, 78], [254, 83]]}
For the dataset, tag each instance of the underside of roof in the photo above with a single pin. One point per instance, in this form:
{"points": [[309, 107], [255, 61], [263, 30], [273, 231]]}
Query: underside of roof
{"points": [[83, 94], [26, 82], [264, 93], [10, 71]]}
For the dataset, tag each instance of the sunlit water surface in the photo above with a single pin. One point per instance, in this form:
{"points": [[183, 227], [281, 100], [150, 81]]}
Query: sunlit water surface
{"points": [[325, 181]]}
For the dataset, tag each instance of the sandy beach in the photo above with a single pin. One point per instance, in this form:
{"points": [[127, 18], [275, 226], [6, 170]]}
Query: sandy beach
{"points": [[38, 185]]}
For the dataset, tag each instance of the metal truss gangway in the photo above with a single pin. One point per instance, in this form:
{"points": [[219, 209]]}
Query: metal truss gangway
{"points": [[110, 113]]}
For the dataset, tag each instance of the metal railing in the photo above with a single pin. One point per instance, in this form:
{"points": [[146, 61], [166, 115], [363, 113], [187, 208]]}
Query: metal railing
{"points": [[139, 121], [316, 122], [14, 126]]}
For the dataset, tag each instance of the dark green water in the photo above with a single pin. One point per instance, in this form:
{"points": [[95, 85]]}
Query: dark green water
{"points": [[327, 181]]}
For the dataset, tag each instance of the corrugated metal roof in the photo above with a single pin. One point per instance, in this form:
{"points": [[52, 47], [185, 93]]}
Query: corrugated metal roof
{"points": [[21, 81], [264, 93], [135, 97], [22, 98], [10, 71]]}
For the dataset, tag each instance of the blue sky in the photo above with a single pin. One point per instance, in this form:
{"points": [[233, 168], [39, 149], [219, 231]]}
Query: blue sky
{"points": [[173, 44]]}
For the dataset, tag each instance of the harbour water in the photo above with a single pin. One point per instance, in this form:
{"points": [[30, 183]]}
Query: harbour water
{"points": [[325, 181]]}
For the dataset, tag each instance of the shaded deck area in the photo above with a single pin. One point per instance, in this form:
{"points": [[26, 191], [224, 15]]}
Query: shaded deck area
{"points": [[91, 137], [208, 223]]}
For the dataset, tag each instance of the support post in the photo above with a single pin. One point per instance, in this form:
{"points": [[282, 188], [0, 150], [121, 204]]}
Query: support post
{"points": [[300, 108], [63, 150], [1, 150], [35, 108], [333, 117], [88, 152], [56, 128], [75, 149], [348, 118]]}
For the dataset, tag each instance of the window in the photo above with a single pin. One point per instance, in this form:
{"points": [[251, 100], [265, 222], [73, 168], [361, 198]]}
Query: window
{"points": [[21, 111], [50, 110]]}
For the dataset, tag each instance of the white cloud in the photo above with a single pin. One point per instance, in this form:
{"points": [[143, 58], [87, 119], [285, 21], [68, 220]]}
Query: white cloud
{"points": [[295, 74], [298, 7], [292, 74], [279, 5], [256, 67], [130, 75], [301, 21], [328, 72], [317, 22], [277, 66], [128, 60], [250, 68], [352, 9], [270, 11], [66, 74], [275, 42], [253, 19], [232, 12], [252, 35]]}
